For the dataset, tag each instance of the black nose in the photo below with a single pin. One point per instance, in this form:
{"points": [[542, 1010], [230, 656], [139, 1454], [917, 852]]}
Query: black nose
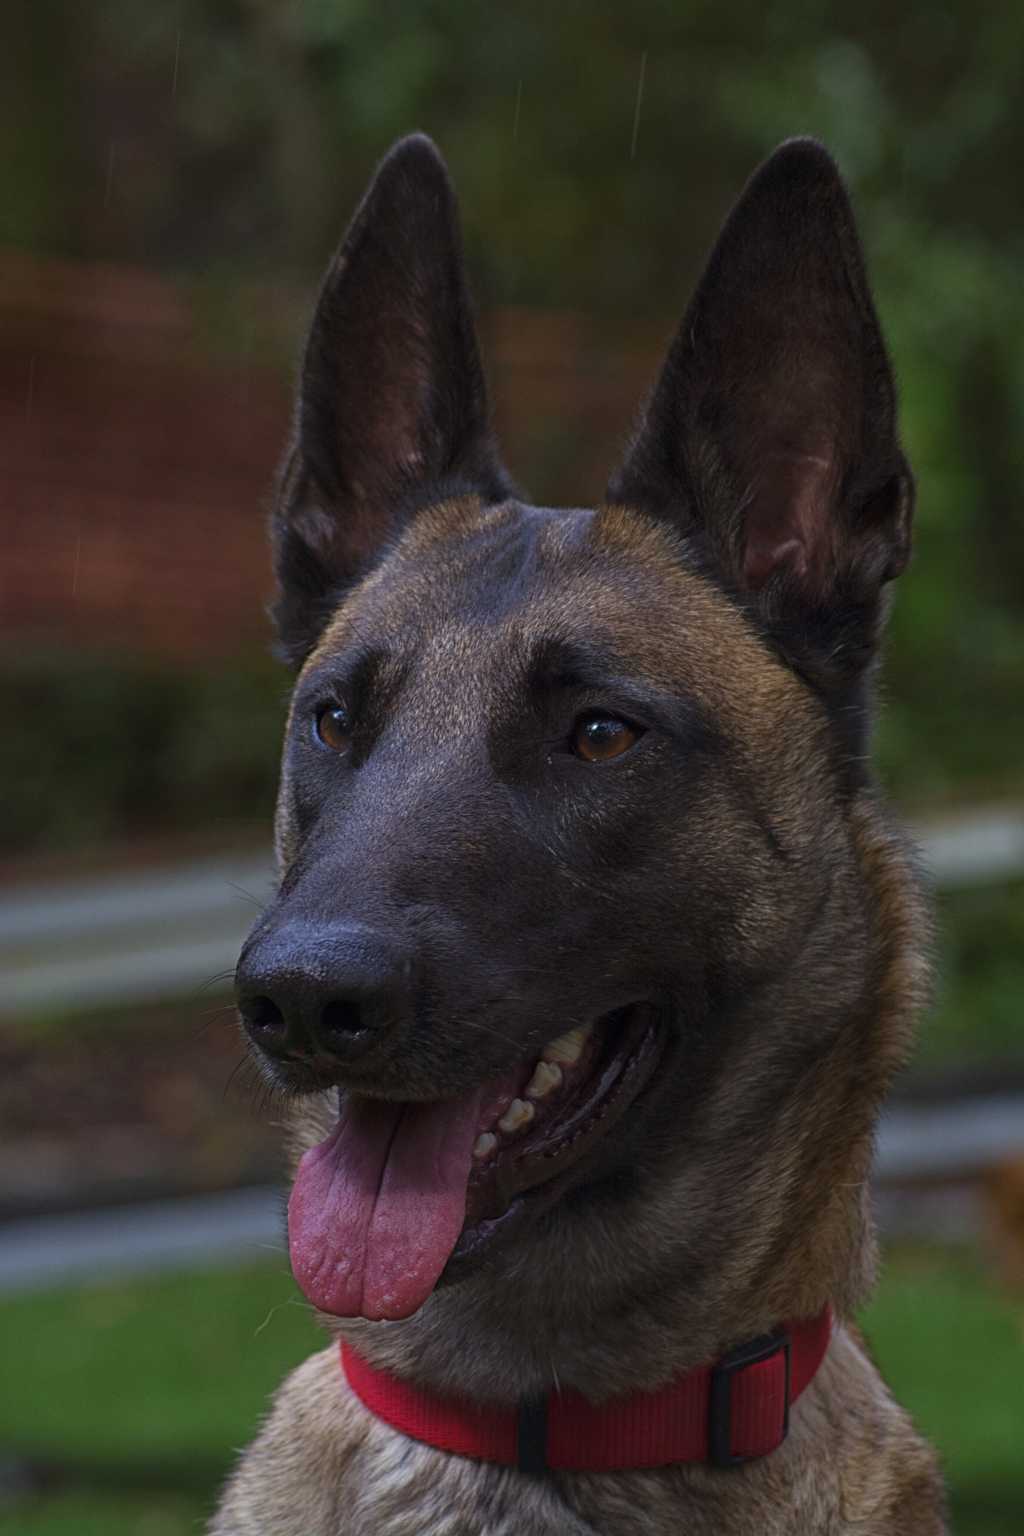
{"points": [[324, 991]]}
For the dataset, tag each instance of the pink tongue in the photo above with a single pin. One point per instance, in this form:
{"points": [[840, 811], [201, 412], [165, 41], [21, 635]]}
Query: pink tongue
{"points": [[378, 1207]]}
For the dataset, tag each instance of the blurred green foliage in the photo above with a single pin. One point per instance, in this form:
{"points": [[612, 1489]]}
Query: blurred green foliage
{"points": [[231, 139], [109, 747]]}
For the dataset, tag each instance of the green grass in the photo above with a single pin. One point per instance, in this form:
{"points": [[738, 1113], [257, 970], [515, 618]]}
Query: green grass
{"points": [[136, 1395], [115, 1514], [160, 749], [139, 1393], [952, 1349]]}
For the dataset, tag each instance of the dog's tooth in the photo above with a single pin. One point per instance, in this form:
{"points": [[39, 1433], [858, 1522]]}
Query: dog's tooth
{"points": [[518, 1114], [546, 1076], [484, 1145], [568, 1048]]}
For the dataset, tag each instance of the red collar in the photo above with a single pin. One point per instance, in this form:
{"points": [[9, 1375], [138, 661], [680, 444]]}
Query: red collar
{"points": [[725, 1413]]}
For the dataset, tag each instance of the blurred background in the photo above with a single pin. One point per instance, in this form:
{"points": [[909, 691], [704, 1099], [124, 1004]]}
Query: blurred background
{"points": [[173, 178]]}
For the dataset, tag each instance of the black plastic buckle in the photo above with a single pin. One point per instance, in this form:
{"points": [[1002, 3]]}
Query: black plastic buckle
{"points": [[720, 1451], [532, 1436]]}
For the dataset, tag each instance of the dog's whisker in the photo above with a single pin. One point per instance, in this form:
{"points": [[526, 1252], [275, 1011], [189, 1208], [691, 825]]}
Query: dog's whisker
{"points": [[239, 1066], [212, 1016], [272, 1313], [213, 981], [487, 1029]]}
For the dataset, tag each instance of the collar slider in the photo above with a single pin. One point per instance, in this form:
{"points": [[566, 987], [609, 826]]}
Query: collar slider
{"points": [[532, 1436], [769, 1358]]}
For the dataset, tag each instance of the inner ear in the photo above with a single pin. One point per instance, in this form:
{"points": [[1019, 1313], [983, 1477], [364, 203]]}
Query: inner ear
{"points": [[392, 390], [392, 410], [787, 524], [771, 433]]}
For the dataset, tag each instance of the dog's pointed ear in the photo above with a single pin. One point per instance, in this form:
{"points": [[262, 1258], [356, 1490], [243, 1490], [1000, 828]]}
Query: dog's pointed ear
{"points": [[770, 438], [392, 408]]}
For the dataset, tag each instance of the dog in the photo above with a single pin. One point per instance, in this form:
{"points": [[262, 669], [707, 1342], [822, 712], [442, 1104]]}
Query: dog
{"points": [[594, 950]]}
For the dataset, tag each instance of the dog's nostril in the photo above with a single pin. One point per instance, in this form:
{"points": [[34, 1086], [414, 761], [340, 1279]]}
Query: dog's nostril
{"points": [[340, 1021], [264, 1018]]}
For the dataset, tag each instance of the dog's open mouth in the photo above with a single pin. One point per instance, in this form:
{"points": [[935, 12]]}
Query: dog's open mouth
{"points": [[382, 1204]]}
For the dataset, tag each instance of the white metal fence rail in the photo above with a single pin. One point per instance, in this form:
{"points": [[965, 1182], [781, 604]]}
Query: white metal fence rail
{"points": [[127, 939], [133, 939]]}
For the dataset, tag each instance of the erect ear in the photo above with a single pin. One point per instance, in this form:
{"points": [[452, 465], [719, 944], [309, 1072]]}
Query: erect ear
{"points": [[770, 438], [392, 408]]}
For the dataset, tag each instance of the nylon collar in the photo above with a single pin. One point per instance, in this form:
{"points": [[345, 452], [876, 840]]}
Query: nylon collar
{"points": [[726, 1412]]}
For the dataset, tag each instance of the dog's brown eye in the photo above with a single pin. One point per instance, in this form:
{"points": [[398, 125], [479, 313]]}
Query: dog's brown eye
{"points": [[334, 728], [599, 738]]}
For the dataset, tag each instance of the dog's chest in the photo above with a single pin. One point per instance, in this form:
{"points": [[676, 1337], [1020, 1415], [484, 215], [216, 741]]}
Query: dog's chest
{"points": [[323, 1466]]}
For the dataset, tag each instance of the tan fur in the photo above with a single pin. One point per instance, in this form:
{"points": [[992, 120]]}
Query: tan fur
{"points": [[322, 1466]]}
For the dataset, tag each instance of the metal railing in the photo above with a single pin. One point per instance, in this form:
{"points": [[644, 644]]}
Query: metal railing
{"points": [[142, 938]]}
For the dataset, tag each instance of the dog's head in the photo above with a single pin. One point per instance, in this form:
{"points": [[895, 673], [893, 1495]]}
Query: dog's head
{"points": [[578, 914]]}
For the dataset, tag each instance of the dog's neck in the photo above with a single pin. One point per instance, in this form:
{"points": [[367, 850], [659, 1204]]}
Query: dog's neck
{"points": [[771, 1221]]}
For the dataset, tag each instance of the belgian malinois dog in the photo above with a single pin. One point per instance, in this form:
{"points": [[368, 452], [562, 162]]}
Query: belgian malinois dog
{"points": [[594, 951]]}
